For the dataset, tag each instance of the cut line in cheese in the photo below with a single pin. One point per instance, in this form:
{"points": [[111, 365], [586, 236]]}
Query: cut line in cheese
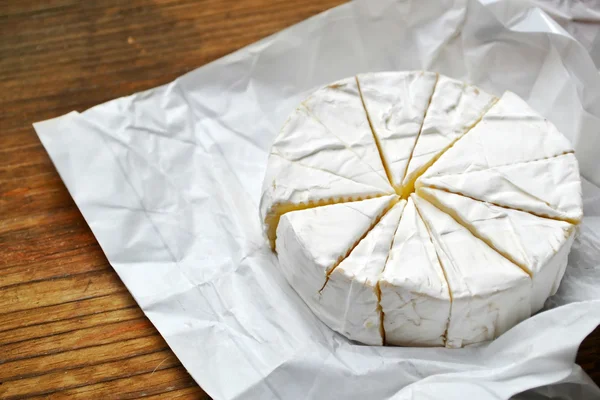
{"points": [[386, 166], [324, 152], [455, 108], [313, 242], [339, 108], [482, 282], [510, 132], [417, 300], [529, 241], [394, 200], [351, 291], [548, 188], [277, 210], [396, 104]]}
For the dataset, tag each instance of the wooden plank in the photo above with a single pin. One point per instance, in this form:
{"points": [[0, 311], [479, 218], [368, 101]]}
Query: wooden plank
{"points": [[64, 99], [80, 358], [68, 310], [191, 393], [52, 248], [206, 29], [19, 172], [66, 225], [142, 385], [102, 334], [31, 296], [42, 243], [99, 373], [27, 333], [16, 8], [28, 155], [41, 222], [72, 261], [18, 139], [35, 192], [212, 14]]}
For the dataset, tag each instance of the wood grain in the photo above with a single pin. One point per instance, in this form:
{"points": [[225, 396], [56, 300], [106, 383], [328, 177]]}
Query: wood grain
{"points": [[68, 326]]}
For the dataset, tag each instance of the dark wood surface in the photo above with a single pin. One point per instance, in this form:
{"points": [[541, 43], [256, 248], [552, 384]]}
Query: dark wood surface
{"points": [[68, 327]]}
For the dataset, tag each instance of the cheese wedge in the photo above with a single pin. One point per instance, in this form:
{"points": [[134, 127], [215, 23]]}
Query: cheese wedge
{"points": [[548, 187], [350, 298], [455, 108], [314, 241], [490, 294], [415, 298], [535, 244], [510, 132], [396, 103], [325, 153]]}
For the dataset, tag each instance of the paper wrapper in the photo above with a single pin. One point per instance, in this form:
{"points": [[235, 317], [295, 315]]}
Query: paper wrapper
{"points": [[169, 181]]}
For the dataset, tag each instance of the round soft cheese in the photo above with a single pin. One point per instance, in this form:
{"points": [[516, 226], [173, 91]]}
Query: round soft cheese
{"points": [[412, 209]]}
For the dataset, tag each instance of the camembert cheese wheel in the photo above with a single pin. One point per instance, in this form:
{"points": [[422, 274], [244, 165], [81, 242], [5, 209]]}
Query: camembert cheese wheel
{"points": [[412, 209]]}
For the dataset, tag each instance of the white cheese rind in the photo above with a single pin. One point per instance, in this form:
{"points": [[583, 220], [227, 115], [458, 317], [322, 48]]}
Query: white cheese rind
{"points": [[489, 293], [415, 298], [350, 301], [396, 103], [561, 260], [549, 187], [444, 274], [455, 108], [312, 242], [340, 109], [532, 242], [325, 150], [510, 132]]}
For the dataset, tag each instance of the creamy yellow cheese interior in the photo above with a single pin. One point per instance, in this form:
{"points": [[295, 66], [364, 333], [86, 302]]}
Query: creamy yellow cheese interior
{"points": [[272, 219]]}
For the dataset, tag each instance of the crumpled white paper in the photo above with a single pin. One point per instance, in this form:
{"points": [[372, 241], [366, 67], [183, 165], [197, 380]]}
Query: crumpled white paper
{"points": [[580, 18], [169, 182]]}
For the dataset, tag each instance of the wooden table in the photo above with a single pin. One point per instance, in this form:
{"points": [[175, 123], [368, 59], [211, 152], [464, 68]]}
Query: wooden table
{"points": [[68, 327]]}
